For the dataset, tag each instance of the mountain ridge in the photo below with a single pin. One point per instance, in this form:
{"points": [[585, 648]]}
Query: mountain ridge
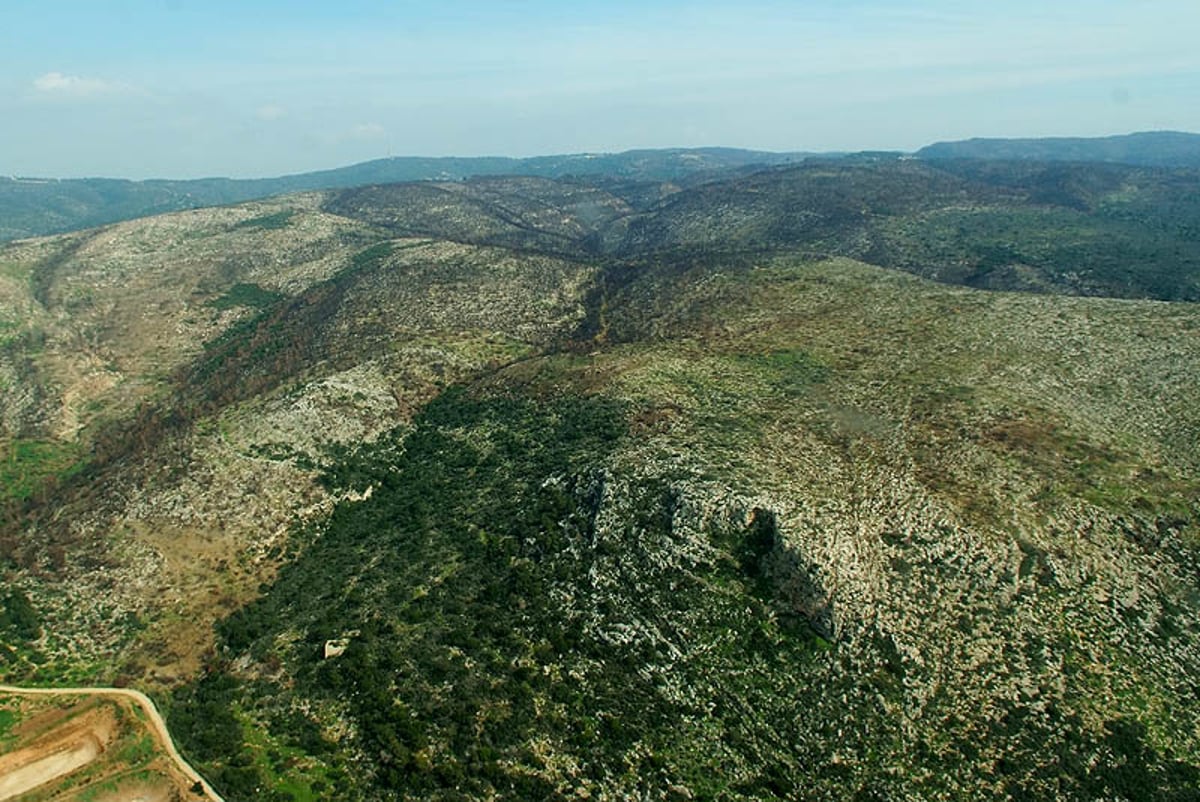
{"points": [[33, 206], [1145, 148], [550, 488]]}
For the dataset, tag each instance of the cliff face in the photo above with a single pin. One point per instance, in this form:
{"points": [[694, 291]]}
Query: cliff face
{"points": [[657, 522]]}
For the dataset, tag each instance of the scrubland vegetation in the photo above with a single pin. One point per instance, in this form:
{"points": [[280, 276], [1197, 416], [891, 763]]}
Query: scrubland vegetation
{"points": [[861, 479]]}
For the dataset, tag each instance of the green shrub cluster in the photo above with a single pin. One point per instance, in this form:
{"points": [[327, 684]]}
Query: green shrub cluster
{"points": [[18, 618], [243, 294], [465, 589]]}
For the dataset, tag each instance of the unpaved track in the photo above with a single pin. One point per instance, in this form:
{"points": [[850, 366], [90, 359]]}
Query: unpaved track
{"points": [[156, 721]]}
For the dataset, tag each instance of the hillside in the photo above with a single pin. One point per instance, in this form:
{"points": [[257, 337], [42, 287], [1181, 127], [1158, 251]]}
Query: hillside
{"points": [[1070, 229], [614, 488], [1148, 149], [32, 207]]}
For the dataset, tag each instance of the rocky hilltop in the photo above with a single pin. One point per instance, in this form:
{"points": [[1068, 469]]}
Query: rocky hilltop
{"points": [[860, 479]]}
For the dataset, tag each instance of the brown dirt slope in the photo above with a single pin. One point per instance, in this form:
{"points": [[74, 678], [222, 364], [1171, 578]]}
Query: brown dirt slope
{"points": [[93, 744]]}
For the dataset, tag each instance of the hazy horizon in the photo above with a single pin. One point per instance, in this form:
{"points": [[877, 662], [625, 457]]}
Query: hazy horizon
{"points": [[400, 156], [165, 89]]}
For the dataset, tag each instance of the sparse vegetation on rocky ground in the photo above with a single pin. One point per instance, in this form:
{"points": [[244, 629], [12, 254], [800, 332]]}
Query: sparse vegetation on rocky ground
{"points": [[534, 489]]}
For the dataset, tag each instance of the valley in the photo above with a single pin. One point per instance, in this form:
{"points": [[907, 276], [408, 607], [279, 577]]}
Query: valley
{"points": [[860, 478]]}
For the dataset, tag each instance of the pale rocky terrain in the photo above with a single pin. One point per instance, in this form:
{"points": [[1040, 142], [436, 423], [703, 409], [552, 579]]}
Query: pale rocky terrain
{"points": [[200, 519], [888, 536]]}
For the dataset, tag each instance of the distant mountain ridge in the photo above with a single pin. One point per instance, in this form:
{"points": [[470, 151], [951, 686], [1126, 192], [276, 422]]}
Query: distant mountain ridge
{"points": [[34, 207], [1146, 149]]}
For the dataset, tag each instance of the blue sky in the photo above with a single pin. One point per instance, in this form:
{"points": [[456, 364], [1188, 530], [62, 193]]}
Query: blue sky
{"points": [[177, 88]]}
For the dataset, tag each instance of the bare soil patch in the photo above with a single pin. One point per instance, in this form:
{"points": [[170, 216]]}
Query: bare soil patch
{"points": [[93, 744], [204, 574], [61, 751], [47, 719], [141, 791]]}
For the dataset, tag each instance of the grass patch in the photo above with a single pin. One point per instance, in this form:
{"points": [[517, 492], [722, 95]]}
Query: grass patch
{"points": [[9, 331], [1072, 465], [17, 271], [243, 294], [789, 370], [137, 751], [26, 466]]}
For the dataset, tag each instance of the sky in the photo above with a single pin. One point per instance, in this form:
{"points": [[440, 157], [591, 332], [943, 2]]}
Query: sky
{"points": [[191, 88]]}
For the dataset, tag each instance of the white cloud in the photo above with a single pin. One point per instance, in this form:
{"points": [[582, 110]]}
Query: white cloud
{"points": [[61, 84], [270, 112]]}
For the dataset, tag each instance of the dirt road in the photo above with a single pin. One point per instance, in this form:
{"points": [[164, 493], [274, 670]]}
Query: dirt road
{"points": [[156, 722]]}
